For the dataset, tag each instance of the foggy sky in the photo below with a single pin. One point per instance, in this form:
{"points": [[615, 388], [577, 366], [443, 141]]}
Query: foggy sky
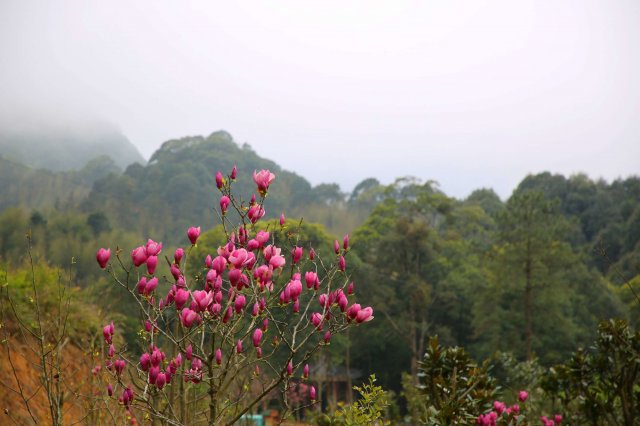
{"points": [[471, 94]]}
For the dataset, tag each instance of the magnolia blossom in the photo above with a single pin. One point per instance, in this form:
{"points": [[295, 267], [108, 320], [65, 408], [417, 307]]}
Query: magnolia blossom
{"points": [[255, 213], [296, 253], [102, 256], [257, 337], [152, 262], [177, 256], [153, 248], [139, 255], [219, 180], [193, 234], [189, 317], [263, 179], [224, 204]]}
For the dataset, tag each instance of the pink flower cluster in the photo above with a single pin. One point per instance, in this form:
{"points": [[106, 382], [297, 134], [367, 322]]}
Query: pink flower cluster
{"points": [[557, 420], [501, 410], [510, 414], [237, 281]]}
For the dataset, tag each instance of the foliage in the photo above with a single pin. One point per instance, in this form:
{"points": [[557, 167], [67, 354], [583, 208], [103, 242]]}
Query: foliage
{"points": [[600, 385], [451, 387], [370, 408]]}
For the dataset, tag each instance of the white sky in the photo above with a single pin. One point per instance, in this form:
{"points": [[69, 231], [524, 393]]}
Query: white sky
{"points": [[468, 93]]}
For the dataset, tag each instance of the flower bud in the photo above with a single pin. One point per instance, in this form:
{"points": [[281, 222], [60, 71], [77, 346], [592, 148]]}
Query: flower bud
{"points": [[102, 256], [219, 180], [224, 204], [193, 234]]}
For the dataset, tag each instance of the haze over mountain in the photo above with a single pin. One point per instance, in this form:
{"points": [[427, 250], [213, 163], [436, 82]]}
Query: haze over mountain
{"points": [[61, 142], [468, 93]]}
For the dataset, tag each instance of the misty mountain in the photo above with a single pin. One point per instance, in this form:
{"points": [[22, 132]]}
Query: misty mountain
{"points": [[61, 145], [24, 186], [176, 189]]}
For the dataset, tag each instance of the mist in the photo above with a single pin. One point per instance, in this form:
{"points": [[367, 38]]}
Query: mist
{"points": [[470, 95]]}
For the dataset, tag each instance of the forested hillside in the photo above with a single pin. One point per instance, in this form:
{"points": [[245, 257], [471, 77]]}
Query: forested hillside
{"points": [[526, 280]]}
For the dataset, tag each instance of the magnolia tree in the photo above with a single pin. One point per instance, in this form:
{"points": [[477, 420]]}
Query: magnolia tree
{"points": [[231, 330]]}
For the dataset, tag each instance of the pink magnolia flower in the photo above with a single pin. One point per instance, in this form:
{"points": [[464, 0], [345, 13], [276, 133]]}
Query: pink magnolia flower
{"points": [[523, 395], [119, 365], [102, 256], [238, 258], [311, 278], [224, 204], [189, 352], [161, 380], [218, 356], [152, 262], [139, 255], [203, 299], [142, 285], [189, 317], [219, 264], [253, 244], [557, 419], [219, 180], [305, 371], [175, 271], [342, 263], [255, 213], [282, 219], [295, 289], [316, 320], [153, 248], [127, 396], [107, 332], [327, 337], [263, 274], [239, 346], [336, 246], [239, 303], [350, 288], [257, 337], [277, 261], [345, 242], [312, 393], [263, 179], [181, 296], [312, 254], [353, 310], [499, 407], [296, 253], [234, 172], [109, 390], [342, 302], [193, 234], [290, 368], [177, 256], [145, 361], [364, 315]]}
